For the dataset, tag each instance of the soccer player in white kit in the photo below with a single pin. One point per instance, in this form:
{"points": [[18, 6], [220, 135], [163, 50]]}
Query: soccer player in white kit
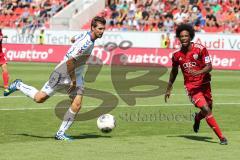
{"points": [[83, 44]]}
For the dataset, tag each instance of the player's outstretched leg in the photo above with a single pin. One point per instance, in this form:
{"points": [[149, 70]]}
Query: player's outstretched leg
{"points": [[24, 88], [12, 87]]}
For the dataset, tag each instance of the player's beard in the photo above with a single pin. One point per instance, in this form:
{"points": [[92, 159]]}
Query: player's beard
{"points": [[100, 35]]}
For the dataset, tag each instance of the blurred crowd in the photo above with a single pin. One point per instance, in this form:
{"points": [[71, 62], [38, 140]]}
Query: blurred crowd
{"points": [[131, 15], [28, 15], [165, 15]]}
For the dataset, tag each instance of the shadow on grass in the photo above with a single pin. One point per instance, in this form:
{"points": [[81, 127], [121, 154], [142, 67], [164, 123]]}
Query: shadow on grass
{"points": [[82, 136], [196, 138]]}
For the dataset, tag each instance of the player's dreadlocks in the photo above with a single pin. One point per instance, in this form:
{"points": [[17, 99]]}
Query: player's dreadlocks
{"points": [[185, 27]]}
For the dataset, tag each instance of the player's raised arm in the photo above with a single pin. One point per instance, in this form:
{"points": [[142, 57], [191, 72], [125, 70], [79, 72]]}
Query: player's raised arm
{"points": [[173, 75]]}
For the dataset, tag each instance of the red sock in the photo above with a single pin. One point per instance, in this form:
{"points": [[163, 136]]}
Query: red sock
{"points": [[199, 116], [213, 124], [5, 77]]}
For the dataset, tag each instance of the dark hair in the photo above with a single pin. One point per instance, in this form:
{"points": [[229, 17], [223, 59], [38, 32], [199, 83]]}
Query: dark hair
{"points": [[185, 27], [97, 19]]}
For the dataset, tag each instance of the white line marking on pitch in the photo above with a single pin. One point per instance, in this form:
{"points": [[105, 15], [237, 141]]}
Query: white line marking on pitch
{"points": [[178, 104], [62, 95]]}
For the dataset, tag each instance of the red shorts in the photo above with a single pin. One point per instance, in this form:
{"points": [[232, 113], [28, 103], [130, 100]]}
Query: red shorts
{"points": [[201, 96], [3, 58]]}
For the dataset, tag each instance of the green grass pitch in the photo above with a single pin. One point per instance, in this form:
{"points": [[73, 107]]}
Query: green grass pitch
{"points": [[150, 130]]}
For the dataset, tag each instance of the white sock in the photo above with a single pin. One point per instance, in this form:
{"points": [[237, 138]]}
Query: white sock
{"points": [[67, 121], [27, 90]]}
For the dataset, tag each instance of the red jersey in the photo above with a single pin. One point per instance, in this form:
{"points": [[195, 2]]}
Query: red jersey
{"points": [[1, 36], [196, 59]]}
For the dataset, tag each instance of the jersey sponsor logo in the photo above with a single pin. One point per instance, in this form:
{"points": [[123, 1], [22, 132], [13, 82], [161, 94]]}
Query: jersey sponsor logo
{"points": [[189, 64], [207, 59], [195, 56]]}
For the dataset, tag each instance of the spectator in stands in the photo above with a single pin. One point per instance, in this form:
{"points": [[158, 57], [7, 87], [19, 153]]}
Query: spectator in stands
{"points": [[138, 15], [230, 16], [211, 20], [146, 14], [25, 15], [236, 27], [132, 23], [34, 24], [55, 7], [168, 24], [121, 18], [165, 41], [21, 13], [8, 7], [1, 6], [160, 22], [41, 37], [215, 7], [204, 15], [158, 6], [197, 19], [148, 3], [114, 14], [181, 16], [124, 6], [132, 9]]}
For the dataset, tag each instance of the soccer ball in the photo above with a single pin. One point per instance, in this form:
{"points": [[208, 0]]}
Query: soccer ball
{"points": [[106, 123]]}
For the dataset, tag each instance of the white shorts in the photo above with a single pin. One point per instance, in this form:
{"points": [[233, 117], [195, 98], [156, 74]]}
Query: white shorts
{"points": [[63, 86], [60, 81]]}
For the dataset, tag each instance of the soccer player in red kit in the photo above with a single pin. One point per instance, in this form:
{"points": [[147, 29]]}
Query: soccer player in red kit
{"points": [[195, 64], [3, 62]]}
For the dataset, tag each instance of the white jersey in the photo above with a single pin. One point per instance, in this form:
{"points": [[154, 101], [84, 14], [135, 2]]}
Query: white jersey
{"points": [[83, 45]]}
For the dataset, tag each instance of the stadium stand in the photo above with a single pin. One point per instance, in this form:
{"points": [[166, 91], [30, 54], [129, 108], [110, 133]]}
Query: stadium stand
{"points": [[132, 15], [29, 14], [165, 15]]}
